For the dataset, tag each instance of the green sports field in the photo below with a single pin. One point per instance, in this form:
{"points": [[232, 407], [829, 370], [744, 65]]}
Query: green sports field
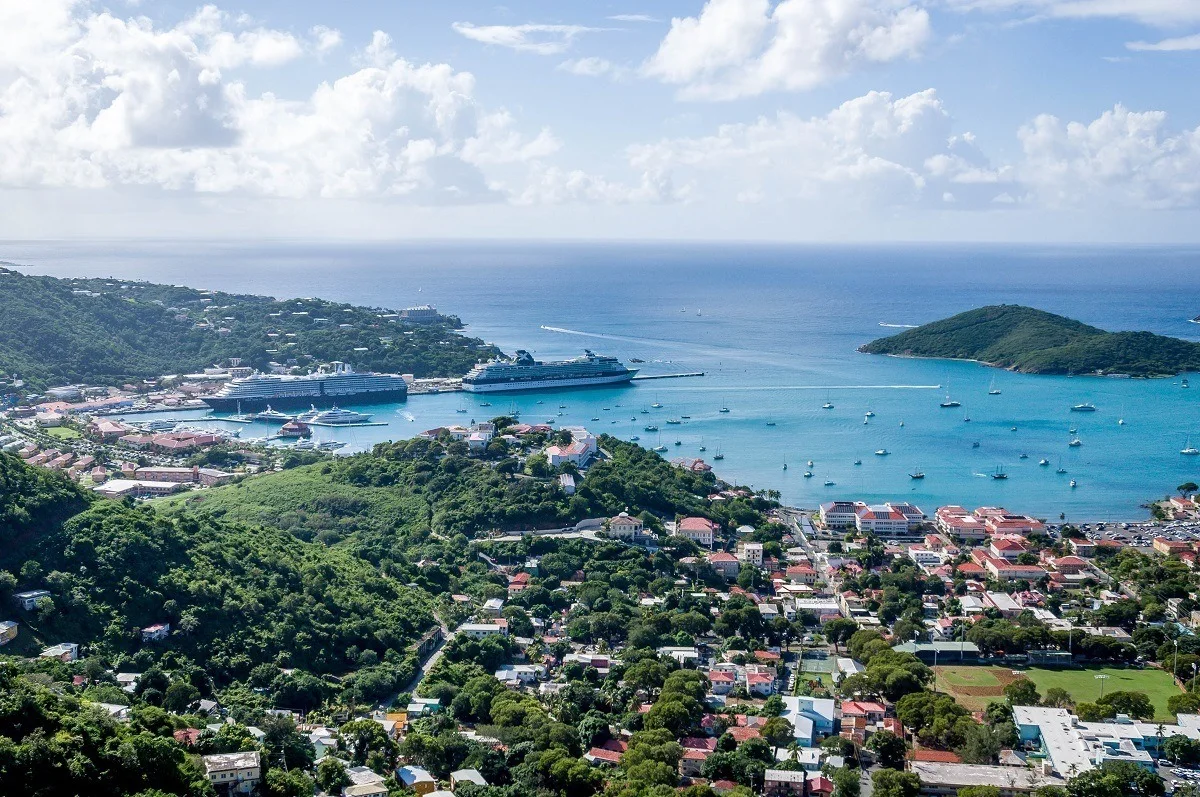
{"points": [[975, 687], [1085, 687]]}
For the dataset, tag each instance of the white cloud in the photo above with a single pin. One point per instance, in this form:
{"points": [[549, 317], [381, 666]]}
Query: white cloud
{"points": [[1179, 44], [589, 67], [553, 186], [1152, 12], [875, 149], [539, 39], [326, 39], [91, 100], [1122, 158], [739, 48], [378, 52], [633, 18]]}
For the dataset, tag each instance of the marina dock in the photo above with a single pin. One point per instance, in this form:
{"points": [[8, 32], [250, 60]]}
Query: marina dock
{"points": [[344, 425], [640, 377]]}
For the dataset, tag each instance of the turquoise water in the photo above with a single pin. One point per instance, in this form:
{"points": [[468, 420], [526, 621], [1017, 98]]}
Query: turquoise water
{"points": [[775, 331]]}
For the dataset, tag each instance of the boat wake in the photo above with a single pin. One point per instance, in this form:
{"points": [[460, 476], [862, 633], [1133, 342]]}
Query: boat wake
{"points": [[898, 326]]}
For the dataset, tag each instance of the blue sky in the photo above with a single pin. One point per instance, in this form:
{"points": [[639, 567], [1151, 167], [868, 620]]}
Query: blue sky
{"points": [[808, 120]]}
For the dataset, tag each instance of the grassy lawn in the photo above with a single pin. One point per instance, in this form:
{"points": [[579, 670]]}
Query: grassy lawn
{"points": [[973, 687], [63, 433], [1085, 687], [970, 676]]}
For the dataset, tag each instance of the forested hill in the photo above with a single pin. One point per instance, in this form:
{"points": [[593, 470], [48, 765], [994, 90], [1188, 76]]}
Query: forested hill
{"points": [[1034, 341], [236, 597], [100, 331]]}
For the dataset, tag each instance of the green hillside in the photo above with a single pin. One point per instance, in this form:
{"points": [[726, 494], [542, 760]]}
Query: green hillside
{"points": [[99, 331], [1034, 341], [236, 596]]}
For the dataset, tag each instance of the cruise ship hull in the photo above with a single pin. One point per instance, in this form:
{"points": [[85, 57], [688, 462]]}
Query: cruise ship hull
{"points": [[546, 384], [304, 402]]}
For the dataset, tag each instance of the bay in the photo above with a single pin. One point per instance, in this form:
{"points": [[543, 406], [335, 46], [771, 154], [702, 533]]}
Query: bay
{"points": [[775, 330]]}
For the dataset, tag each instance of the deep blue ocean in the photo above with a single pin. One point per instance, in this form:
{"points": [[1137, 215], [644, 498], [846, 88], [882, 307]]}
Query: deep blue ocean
{"points": [[775, 330]]}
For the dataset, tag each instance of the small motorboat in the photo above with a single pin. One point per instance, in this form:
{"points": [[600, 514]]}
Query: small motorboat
{"points": [[1074, 484], [883, 452], [828, 483], [858, 462], [808, 474], [809, 463], [1043, 462]]}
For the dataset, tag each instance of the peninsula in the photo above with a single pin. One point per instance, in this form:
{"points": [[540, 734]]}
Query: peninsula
{"points": [[113, 331], [1033, 341]]}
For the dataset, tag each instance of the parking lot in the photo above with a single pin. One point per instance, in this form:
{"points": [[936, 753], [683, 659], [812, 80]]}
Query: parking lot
{"points": [[1142, 534]]}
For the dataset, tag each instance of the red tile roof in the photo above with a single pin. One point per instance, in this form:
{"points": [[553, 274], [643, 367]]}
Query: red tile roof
{"points": [[937, 756]]}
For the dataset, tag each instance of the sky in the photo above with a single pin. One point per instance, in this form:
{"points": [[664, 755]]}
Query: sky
{"points": [[758, 120]]}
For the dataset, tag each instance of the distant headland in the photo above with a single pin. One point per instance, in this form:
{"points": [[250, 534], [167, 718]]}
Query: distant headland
{"points": [[1033, 341]]}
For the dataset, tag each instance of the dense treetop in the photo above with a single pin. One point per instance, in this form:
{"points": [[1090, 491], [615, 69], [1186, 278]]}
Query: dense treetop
{"points": [[1034, 341], [55, 331]]}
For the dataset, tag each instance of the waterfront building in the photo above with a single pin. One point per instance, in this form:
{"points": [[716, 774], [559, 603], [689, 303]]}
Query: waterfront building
{"points": [[839, 514], [881, 520]]}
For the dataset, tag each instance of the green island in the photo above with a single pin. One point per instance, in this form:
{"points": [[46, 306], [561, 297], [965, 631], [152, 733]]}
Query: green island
{"points": [[1033, 341], [109, 332]]}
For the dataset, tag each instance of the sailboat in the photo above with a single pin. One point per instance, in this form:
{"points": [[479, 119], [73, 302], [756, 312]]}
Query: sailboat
{"points": [[1189, 450], [917, 474], [993, 390], [718, 455], [1061, 469], [723, 409], [999, 474], [656, 405]]}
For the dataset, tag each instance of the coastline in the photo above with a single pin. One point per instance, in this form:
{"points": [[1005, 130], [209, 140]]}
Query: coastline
{"points": [[1012, 370]]}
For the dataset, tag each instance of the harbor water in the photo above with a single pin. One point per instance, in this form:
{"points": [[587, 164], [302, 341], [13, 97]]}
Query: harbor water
{"points": [[774, 329]]}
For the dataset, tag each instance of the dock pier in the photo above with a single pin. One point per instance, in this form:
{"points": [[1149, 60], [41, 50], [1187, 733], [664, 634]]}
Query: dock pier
{"points": [[667, 376]]}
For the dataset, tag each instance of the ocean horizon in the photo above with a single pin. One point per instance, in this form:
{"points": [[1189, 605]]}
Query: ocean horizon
{"points": [[775, 329]]}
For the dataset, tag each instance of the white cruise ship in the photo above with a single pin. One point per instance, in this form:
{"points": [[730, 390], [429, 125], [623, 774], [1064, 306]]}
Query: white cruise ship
{"points": [[523, 372], [340, 385]]}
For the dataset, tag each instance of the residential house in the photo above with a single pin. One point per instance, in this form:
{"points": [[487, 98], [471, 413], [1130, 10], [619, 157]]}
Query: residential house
{"points": [[233, 773], [65, 651], [750, 553], [726, 564], [701, 531], [417, 778], [784, 783], [460, 776], [811, 718], [8, 631], [625, 527], [154, 633], [28, 600], [481, 630]]}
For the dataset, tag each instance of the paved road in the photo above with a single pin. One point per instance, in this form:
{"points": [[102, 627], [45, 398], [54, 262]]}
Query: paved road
{"points": [[583, 530]]}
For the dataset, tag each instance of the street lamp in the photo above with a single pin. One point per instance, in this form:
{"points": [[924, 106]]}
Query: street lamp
{"points": [[1175, 669], [1101, 678]]}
